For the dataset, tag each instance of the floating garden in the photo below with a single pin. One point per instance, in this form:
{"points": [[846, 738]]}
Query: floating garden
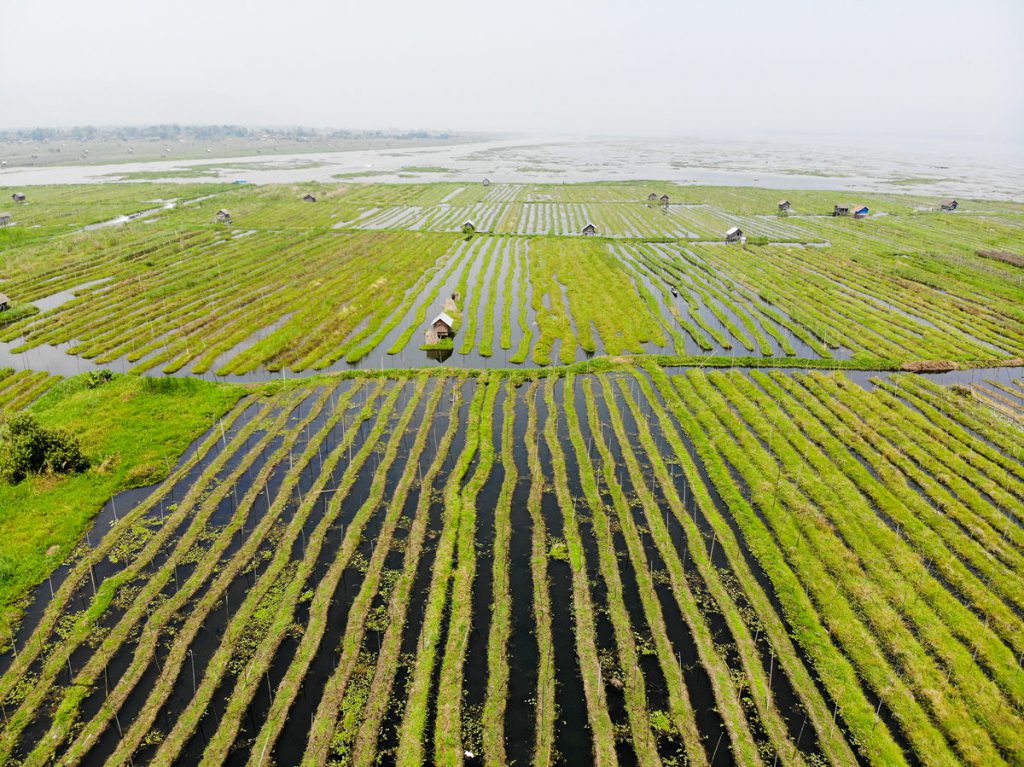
{"points": [[667, 501]]}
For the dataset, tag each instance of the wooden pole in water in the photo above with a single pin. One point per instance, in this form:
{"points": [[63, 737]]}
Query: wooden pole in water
{"points": [[715, 752]]}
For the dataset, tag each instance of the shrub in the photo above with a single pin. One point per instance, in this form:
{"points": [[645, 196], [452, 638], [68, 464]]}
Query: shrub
{"points": [[96, 378], [28, 448]]}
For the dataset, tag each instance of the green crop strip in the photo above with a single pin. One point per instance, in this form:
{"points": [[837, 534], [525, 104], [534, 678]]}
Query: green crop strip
{"points": [[484, 262], [410, 748], [930, 532], [526, 332], [335, 688], [830, 664], [546, 709], [364, 748], [275, 586], [20, 389], [833, 575], [681, 708], [586, 647], [493, 724], [236, 629], [633, 682], [936, 618], [767, 620], [448, 725]]}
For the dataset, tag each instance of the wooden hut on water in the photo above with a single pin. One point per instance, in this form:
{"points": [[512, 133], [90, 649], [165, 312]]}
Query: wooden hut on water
{"points": [[5, 302], [734, 235], [18, 197], [950, 204], [652, 197], [439, 329], [785, 205], [860, 211], [841, 209], [589, 230], [468, 228], [309, 198], [223, 216], [5, 219], [664, 201]]}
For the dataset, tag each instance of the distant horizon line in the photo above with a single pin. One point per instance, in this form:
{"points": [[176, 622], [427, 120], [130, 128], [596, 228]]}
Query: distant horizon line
{"points": [[695, 134]]}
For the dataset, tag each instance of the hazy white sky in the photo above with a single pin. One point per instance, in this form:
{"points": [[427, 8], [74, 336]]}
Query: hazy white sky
{"points": [[935, 67]]}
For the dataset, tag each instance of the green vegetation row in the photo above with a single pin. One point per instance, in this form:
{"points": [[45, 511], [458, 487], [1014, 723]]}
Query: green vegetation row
{"points": [[356, 276]]}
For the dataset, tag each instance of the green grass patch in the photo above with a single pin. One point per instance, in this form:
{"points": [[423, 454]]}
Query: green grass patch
{"points": [[132, 429]]}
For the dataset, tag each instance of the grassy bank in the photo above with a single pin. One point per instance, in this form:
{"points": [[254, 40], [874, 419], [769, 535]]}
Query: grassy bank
{"points": [[133, 430]]}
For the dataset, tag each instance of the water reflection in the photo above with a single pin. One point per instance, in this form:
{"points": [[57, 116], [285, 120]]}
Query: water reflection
{"points": [[440, 355]]}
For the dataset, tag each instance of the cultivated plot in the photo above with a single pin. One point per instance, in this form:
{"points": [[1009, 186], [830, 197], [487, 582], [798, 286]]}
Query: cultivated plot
{"points": [[634, 567], [303, 278]]}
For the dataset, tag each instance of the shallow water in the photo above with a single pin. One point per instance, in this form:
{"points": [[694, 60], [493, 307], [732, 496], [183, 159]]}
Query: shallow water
{"points": [[59, 299], [805, 161], [167, 205]]}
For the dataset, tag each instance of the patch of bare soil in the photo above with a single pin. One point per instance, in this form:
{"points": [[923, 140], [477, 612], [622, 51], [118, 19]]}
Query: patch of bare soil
{"points": [[929, 366], [1003, 255]]}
